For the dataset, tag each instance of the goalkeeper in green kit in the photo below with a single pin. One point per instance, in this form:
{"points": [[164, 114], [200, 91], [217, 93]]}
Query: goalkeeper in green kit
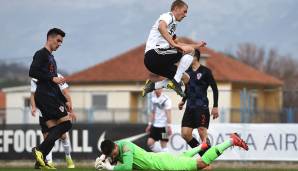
{"points": [[132, 156]]}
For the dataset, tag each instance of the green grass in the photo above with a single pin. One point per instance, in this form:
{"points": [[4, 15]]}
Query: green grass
{"points": [[91, 169]]}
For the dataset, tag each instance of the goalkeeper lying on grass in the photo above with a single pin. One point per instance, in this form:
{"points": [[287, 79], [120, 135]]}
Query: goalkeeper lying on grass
{"points": [[133, 157]]}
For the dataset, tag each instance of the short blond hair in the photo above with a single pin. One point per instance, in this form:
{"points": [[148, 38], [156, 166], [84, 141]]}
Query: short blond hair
{"points": [[178, 3]]}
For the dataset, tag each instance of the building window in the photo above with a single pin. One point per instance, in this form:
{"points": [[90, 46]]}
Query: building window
{"points": [[254, 103], [99, 102], [27, 102]]}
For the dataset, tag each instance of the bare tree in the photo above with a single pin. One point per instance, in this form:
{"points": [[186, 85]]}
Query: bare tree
{"points": [[283, 67], [251, 55]]}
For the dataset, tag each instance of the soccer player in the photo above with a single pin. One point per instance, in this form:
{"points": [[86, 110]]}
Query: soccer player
{"points": [[197, 115], [48, 96], [132, 156], [159, 125], [163, 51], [44, 129]]}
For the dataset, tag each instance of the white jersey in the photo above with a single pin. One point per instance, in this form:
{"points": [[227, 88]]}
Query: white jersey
{"points": [[155, 39], [159, 107], [34, 86]]}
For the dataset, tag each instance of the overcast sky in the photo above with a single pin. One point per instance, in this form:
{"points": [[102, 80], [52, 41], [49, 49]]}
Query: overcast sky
{"points": [[100, 29]]}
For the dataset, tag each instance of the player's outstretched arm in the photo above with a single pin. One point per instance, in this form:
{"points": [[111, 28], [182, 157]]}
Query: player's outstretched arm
{"points": [[193, 45]]}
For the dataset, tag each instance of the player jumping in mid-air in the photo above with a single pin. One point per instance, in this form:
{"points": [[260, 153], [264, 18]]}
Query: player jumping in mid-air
{"points": [[132, 156], [44, 129], [163, 51]]}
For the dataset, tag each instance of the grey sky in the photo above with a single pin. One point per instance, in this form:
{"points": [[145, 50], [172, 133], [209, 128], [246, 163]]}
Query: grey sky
{"points": [[99, 29]]}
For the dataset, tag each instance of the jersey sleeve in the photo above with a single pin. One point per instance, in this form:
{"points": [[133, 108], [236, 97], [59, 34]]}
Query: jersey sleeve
{"points": [[33, 86], [36, 67], [214, 88], [127, 154], [166, 17]]}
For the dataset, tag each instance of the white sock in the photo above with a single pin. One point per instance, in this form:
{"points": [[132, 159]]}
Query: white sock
{"points": [[66, 146], [184, 64], [161, 84], [155, 148], [49, 157]]}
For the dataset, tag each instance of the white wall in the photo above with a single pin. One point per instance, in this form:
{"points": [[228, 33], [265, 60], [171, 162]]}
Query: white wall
{"points": [[15, 106]]}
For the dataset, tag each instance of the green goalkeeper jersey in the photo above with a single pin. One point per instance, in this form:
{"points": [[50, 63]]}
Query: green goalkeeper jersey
{"points": [[133, 157]]}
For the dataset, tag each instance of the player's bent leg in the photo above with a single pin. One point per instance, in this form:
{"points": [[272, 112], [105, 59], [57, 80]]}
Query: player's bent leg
{"points": [[196, 150], [184, 64], [55, 133], [215, 151]]}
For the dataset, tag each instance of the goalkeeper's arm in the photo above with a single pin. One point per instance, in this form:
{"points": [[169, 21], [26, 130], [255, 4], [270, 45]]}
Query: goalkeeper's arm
{"points": [[127, 161]]}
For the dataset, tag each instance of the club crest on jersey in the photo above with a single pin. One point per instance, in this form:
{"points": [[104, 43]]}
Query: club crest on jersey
{"points": [[199, 75], [61, 108]]}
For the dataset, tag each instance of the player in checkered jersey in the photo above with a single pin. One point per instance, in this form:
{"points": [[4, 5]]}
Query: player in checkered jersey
{"points": [[159, 125], [163, 51], [44, 129], [196, 114]]}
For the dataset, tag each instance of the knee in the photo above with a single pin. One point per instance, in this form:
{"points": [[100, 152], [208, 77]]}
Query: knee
{"points": [[185, 78], [150, 142], [186, 136], [191, 52]]}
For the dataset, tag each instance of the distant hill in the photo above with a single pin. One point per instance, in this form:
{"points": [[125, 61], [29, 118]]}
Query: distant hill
{"points": [[15, 74], [12, 74]]}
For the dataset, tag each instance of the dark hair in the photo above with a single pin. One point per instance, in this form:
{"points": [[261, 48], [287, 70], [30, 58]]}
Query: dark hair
{"points": [[197, 54], [178, 3], [54, 32], [107, 146]]}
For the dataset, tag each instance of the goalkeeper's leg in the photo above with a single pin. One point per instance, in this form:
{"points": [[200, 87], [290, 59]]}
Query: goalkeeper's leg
{"points": [[215, 151], [196, 150]]}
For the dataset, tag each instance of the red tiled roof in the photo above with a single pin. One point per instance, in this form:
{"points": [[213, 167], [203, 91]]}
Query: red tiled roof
{"points": [[2, 100], [129, 67], [125, 67]]}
